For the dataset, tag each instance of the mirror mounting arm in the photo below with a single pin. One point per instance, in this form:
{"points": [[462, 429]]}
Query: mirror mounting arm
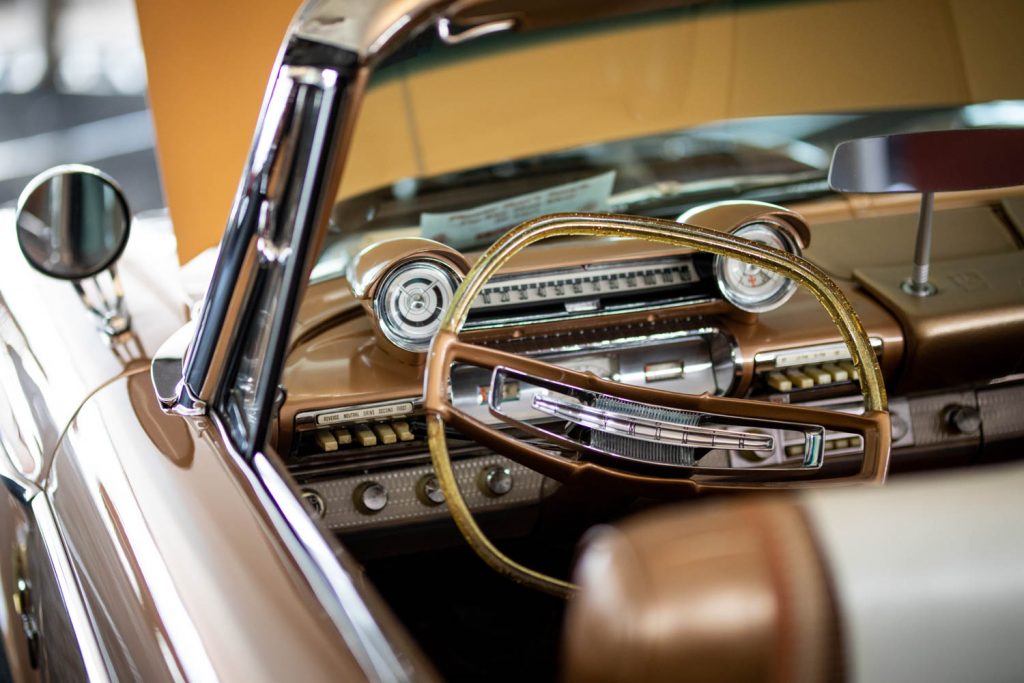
{"points": [[917, 284], [105, 302]]}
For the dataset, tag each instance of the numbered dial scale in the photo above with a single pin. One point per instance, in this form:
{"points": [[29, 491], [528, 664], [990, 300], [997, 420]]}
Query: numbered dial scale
{"points": [[412, 300], [586, 283], [751, 287]]}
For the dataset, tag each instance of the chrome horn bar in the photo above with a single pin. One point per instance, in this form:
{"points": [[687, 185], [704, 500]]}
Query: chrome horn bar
{"points": [[647, 429]]}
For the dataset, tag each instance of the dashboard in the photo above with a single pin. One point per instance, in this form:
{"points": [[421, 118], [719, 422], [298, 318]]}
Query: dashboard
{"points": [[351, 426]]}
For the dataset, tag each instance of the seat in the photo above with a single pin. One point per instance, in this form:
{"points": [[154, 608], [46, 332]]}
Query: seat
{"points": [[922, 580]]}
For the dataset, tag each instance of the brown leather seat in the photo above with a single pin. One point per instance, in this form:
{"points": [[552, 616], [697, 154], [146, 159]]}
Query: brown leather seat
{"points": [[925, 582], [721, 593]]}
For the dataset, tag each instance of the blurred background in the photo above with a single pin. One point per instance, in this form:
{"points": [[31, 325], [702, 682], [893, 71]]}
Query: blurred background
{"points": [[73, 90]]}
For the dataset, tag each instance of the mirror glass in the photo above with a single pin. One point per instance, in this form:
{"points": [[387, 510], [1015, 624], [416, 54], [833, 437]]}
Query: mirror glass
{"points": [[73, 222], [935, 161]]}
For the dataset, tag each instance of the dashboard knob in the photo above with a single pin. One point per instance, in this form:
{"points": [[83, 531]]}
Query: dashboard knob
{"points": [[963, 419], [899, 427], [428, 490], [314, 501], [370, 497], [496, 480]]}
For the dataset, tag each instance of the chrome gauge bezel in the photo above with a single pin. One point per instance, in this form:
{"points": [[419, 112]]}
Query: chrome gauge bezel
{"points": [[385, 306], [770, 234]]}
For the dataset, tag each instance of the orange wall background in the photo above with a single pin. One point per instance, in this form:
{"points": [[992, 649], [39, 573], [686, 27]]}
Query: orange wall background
{"points": [[209, 63]]}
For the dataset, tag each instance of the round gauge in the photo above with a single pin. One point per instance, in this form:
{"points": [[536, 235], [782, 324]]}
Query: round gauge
{"points": [[411, 301], [751, 287]]}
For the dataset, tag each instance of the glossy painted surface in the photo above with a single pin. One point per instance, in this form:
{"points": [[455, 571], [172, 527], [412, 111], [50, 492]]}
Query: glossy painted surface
{"points": [[52, 357], [53, 354], [181, 571], [15, 538], [154, 553]]}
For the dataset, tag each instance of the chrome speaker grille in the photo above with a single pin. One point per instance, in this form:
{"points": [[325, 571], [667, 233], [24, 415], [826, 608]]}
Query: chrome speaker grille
{"points": [[668, 454]]}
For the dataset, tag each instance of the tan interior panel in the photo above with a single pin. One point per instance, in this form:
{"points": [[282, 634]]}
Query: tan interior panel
{"points": [[838, 56], [985, 28], [889, 240], [383, 144], [1014, 208], [606, 85], [977, 314]]}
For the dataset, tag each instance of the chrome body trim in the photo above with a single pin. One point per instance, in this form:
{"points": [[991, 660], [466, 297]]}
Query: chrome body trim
{"points": [[365, 28], [166, 367], [449, 36], [331, 45], [21, 486], [333, 585], [88, 646], [254, 233]]}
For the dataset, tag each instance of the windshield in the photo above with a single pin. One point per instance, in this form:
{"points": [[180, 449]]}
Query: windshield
{"points": [[460, 143]]}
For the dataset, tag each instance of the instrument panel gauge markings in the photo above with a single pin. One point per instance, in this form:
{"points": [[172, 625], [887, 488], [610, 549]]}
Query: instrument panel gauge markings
{"points": [[586, 281], [412, 300], [748, 286]]}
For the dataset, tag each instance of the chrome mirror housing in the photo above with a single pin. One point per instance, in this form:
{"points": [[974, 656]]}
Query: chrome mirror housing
{"points": [[933, 161], [73, 224]]}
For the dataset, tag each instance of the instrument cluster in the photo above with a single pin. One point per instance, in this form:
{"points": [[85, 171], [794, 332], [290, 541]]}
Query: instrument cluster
{"points": [[412, 289]]}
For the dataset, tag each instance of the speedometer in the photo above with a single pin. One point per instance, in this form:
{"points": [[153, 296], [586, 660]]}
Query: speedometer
{"points": [[412, 300], [751, 287]]}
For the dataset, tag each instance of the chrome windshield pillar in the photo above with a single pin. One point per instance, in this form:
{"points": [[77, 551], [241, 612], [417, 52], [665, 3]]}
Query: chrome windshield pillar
{"points": [[285, 195]]}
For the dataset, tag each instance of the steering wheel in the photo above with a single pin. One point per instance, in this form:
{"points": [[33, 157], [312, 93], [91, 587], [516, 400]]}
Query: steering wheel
{"points": [[672, 423]]}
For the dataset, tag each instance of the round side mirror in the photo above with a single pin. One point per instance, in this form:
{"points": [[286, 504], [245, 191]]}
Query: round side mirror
{"points": [[73, 222]]}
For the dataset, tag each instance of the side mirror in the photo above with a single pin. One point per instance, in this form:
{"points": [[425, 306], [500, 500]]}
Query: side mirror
{"points": [[929, 162], [73, 223]]}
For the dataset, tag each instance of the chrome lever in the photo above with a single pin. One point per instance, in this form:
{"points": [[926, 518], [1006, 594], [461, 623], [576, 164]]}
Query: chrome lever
{"points": [[445, 33]]}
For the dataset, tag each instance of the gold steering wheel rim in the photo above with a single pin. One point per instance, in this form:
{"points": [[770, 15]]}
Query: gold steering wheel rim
{"points": [[518, 238]]}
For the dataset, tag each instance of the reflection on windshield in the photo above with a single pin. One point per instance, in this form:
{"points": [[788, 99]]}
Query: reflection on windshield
{"points": [[777, 158]]}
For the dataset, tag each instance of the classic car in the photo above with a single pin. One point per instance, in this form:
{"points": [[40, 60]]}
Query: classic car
{"points": [[532, 351]]}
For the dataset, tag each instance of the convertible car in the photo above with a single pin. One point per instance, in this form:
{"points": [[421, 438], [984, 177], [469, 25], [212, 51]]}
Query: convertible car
{"points": [[532, 352]]}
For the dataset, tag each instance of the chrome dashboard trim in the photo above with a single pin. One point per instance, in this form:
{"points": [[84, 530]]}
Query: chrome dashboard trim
{"points": [[645, 429], [361, 412], [777, 299], [499, 323], [662, 296], [814, 434], [620, 342], [807, 355]]}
